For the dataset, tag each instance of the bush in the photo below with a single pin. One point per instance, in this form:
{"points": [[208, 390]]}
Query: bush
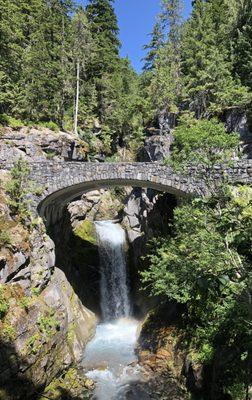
{"points": [[4, 304], [11, 121], [204, 142], [50, 125], [18, 189], [5, 239]]}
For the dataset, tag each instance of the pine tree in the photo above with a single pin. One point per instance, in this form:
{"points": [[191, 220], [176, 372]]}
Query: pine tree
{"points": [[210, 87], [43, 76], [82, 49], [242, 43], [104, 27], [166, 84], [156, 43]]}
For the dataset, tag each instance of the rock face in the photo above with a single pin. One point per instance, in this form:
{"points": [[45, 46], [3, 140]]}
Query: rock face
{"points": [[39, 145], [238, 121], [160, 356], [41, 336], [44, 326], [156, 148]]}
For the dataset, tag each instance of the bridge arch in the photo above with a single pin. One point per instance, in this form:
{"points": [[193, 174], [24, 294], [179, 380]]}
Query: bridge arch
{"points": [[65, 182], [62, 182]]}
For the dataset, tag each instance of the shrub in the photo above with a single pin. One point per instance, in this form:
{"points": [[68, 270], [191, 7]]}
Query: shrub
{"points": [[18, 189], [48, 324], [5, 239], [4, 304], [11, 121]]}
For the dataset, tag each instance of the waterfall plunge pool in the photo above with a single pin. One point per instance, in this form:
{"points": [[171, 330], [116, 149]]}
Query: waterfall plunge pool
{"points": [[109, 359]]}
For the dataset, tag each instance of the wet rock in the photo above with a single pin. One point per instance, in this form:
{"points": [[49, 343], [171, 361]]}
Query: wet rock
{"points": [[156, 148]]}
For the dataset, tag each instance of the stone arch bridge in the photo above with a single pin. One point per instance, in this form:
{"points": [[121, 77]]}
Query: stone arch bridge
{"points": [[62, 182]]}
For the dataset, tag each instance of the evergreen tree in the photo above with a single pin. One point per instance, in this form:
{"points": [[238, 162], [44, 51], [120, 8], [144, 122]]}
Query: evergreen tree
{"points": [[82, 51], [166, 84], [42, 82], [242, 43], [104, 28], [210, 87], [105, 64], [16, 24], [157, 41]]}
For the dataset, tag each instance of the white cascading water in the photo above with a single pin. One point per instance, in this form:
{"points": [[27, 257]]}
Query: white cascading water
{"points": [[108, 356], [113, 284]]}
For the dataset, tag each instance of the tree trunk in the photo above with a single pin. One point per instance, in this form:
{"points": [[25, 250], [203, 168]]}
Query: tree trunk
{"points": [[77, 98]]}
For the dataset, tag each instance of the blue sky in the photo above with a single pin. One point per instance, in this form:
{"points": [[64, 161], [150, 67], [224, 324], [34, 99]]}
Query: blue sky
{"points": [[136, 19]]}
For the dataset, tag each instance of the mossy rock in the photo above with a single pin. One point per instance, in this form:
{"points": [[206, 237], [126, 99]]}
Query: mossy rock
{"points": [[86, 231]]}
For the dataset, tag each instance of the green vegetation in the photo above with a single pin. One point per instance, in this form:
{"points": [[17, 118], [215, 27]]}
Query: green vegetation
{"points": [[8, 332], [57, 52], [72, 383], [191, 65], [48, 324], [33, 344], [86, 231], [206, 265], [5, 239], [202, 142], [18, 190], [4, 304], [60, 68]]}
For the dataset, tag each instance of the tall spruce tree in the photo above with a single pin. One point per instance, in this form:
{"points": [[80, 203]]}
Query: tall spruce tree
{"points": [[156, 43], [43, 76], [82, 51], [166, 84], [210, 87], [17, 21], [104, 27], [242, 43]]}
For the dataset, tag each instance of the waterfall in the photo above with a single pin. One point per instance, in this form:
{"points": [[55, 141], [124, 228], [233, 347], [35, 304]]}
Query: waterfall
{"points": [[110, 358], [113, 283]]}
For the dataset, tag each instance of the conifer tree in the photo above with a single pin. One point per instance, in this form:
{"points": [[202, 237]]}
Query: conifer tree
{"points": [[210, 87], [166, 84], [17, 20], [242, 43], [82, 50], [43, 75], [156, 43], [104, 27]]}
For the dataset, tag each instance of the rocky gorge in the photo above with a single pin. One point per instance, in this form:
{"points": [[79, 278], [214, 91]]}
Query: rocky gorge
{"points": [[50, 299], [47, 316]]}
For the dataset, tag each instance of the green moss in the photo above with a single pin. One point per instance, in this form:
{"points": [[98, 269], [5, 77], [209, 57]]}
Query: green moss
{"points": [[33, 344], [70, 333], [4, 304], [8, 331], [71, 382], [5, 227], [35, 291], [48, 324], [86, 231], [25, 302]]}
